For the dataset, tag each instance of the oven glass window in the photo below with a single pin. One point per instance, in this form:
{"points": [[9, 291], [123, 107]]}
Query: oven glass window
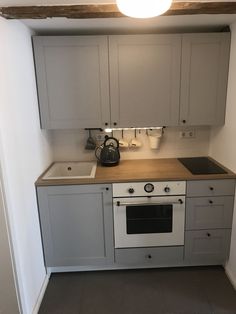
{"points": [[149, 219]]}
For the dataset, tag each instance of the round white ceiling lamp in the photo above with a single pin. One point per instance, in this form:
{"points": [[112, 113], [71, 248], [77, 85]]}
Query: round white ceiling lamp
{"points": [[143, 8]]}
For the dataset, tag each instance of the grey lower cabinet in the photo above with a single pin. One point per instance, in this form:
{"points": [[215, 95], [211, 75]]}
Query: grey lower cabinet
{"points": [[77, 228], [150, 256], [207, 247], [209, 213], [76, 224], [204, 75]]}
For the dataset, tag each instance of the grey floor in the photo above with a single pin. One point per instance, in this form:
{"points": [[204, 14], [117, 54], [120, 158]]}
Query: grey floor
{"points": [[155, 291]]}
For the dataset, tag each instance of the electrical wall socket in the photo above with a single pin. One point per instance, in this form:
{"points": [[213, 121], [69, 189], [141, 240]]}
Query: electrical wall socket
{"points": [[188, 133]]}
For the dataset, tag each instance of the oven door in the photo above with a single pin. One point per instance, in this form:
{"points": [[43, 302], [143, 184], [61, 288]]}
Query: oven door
{"points": [[149, 221]]}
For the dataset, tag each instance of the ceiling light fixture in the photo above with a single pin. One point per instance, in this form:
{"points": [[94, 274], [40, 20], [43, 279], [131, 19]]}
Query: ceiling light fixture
{"points": [[143, 8]]}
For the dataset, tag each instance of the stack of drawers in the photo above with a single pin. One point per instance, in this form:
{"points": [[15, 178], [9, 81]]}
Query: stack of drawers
{"points": [[209, 211]]}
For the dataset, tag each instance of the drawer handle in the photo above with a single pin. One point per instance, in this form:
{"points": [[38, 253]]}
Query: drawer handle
{"points": [[210, 202], [208, 234], [149, 256], [211, 188]]}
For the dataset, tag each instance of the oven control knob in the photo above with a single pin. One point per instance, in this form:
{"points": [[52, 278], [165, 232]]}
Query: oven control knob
{"points": [[131, 191], [149, 187], [167, 189]]}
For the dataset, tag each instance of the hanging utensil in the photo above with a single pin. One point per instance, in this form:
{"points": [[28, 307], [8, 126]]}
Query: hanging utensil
{"points": [[90, 144]]}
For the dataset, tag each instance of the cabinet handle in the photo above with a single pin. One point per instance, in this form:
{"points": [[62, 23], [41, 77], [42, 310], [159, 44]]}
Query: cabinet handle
{"points": [[106, 124], [183, 121], [208, 234], [107, 189], [115, 123], [211, 188], [210, 202], [149, 256]]}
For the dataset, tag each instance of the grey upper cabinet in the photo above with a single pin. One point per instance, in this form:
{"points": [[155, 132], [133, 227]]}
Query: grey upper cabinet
{"points": [[76, 224], [131, 80], [144, 79], [204, 74], [72, 79]]}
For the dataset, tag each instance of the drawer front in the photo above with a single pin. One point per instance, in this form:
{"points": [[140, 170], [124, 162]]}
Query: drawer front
{"points": [[207, 247], [211, 187], [167, 256], [209, 212]]}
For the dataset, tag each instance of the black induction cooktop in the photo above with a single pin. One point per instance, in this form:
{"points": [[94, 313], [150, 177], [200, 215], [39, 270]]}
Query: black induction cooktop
{"points": [[201, 165]]}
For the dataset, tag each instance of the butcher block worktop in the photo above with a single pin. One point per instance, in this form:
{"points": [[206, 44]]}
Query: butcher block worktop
{"points": [[139, 170]]}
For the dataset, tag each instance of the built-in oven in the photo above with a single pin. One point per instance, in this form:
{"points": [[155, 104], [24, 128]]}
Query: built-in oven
{"points": [[149, 214]]}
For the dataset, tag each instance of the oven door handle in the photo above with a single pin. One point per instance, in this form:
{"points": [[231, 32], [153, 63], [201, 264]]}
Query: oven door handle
{"points": [[118, 203]]}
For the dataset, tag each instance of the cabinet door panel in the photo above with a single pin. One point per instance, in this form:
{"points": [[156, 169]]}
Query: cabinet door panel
{"points": [[204, 74], [76, 224], [207, 247], [210, 187], [72, 77], [167, 256], [144, 79], [209, 212]]}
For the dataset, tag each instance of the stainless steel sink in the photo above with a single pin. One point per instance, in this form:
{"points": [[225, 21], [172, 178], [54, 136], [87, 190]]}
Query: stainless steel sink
{"points": [[71, 170]]}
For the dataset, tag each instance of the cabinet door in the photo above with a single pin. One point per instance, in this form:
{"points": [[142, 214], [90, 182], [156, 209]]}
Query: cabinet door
{"points": [[207, 247], [204, 74], [144, 80], [72, 79], [76, 224], [150, 256], [211, 187], [209, 212]]}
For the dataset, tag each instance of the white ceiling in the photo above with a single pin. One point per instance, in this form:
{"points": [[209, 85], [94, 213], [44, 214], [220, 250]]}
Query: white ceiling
{"points": [[116, 25]]}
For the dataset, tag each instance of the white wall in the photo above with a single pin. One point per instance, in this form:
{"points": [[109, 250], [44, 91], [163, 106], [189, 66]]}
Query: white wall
{"points": [[8, 290], [223, 142], [69, 145], [25, 154]]}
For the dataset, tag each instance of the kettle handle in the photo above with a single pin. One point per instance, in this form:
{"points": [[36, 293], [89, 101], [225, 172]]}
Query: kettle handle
{"points": [[108, 139]]}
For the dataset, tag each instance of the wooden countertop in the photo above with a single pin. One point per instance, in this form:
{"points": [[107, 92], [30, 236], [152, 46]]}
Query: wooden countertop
{"points": [[139, 170]]}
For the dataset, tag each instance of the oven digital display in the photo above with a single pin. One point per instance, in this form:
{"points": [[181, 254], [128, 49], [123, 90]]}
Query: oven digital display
{"points": [[149, 219]]}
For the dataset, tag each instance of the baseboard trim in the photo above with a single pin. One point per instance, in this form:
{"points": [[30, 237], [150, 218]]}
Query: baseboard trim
{"points": [[231, 277], [41, 294]]}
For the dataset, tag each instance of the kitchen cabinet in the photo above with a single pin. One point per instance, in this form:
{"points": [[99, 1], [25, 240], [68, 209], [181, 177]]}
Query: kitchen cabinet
{"points": [[72, 79], [73, 85], [207, 247], [210, 188], [204, 74], [150, 256], [144, 79], [131, 80], [209, 213], [76, 223]]}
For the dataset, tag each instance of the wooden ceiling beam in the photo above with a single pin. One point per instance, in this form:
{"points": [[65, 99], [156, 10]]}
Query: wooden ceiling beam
{"points": [[110, 10]]}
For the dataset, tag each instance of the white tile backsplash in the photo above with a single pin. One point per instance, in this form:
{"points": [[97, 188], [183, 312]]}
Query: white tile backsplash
{"points": [[69, 145]]}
